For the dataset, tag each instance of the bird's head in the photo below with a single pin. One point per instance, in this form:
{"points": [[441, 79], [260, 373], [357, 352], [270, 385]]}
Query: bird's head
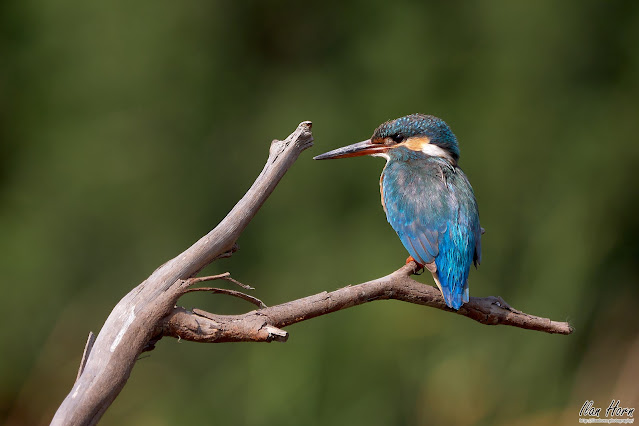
{"points": [[416, 132]]}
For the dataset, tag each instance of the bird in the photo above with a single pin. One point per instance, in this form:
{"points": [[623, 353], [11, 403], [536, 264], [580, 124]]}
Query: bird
{"points": [[427, 198]]}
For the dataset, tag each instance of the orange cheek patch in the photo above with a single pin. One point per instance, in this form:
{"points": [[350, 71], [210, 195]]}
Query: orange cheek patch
{"points": [[416, 143]]}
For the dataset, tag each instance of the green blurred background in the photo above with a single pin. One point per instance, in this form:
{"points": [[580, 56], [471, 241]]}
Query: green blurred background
{"points": [[129, 129]]}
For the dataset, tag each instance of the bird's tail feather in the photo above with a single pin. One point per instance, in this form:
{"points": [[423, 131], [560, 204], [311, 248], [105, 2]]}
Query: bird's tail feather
{"points": [[455, 293], [453, 299]]}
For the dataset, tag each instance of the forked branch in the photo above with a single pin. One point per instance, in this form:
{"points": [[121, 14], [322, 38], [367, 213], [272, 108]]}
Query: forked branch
{"points": [[131, 326], [200, 326], [148, 312]]}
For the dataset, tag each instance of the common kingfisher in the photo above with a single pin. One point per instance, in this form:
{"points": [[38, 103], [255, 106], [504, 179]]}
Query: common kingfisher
{"points": [[427, 198]]}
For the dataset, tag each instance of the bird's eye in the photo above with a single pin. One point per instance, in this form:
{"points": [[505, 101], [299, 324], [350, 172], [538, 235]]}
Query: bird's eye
{"points": [[397, 138]]}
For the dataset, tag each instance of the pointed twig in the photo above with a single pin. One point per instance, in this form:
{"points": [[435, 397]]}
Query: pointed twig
{"points": [[254, 300], [225, 276]]}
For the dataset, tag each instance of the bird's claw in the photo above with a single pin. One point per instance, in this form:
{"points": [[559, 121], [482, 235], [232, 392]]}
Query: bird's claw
{"points": [[501, 303], [419, 269]]}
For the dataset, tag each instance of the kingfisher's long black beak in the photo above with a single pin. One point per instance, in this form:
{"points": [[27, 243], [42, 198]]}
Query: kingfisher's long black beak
{"points": [[355, 150]]}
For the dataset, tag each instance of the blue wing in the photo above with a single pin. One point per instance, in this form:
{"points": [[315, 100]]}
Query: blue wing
{"points": [[431, 206]]}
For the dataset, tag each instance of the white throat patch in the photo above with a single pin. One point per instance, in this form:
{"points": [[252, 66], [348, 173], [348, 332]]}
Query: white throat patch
{"points": [[381, 154]]}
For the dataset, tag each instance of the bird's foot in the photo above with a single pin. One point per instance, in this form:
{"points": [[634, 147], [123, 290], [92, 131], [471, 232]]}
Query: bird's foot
{"points": [[420, 268]]}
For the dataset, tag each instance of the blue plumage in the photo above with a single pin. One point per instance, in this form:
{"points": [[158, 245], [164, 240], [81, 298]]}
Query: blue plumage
{"points": [[431, 205], [427, 198]]}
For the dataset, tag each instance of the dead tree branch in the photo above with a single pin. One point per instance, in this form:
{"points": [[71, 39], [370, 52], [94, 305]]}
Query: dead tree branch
{"points": [[200, 326], [225, 276], [148, 312], [130, 326], [254, 300]]}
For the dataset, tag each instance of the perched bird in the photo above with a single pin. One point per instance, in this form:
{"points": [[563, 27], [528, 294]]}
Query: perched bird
{"points": [[427, 198]]}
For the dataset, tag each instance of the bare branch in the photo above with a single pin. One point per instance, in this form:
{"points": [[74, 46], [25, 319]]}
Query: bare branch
{"points": [[148, 312], [200, 326], [196, 280], [254, 300], [236, 282], [225, 276], [130, 327]]}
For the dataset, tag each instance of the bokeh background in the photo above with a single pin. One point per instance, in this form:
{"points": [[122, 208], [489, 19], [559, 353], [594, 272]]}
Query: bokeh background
{"points": [[129, 129]]}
